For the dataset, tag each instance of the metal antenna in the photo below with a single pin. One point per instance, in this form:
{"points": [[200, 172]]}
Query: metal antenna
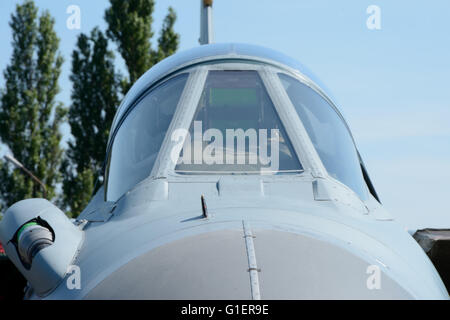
{"points": [[206, 22], [204, 208], [19, 165]]}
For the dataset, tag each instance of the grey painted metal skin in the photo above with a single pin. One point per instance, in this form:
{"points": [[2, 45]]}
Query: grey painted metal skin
{"points": [[302, 236]]}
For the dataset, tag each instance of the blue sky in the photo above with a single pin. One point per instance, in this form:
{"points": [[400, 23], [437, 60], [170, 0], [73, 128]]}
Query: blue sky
{"points": [[391, 84]]}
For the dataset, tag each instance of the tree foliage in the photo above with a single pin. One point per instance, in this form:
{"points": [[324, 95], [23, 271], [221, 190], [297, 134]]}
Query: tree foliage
{"points": [[168, 39], [95, 97], [96, 87], [130, 27], [30, 117]]}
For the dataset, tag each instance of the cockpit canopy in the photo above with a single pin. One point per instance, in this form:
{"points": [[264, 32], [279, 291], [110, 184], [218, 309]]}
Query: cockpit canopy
{"points": [[229, 114]]}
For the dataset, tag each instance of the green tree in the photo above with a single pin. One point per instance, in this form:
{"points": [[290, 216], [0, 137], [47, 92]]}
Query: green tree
{"points": [[168, 39], [95, 96], [30, 117], [96, 86], [130, 27]]}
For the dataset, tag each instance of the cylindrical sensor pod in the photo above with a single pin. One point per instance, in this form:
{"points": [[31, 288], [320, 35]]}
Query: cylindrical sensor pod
{"points": [[32, 238], [41, 241]]}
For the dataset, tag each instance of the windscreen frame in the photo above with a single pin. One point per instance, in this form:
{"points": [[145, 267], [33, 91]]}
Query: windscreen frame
{"points": [[184, 113], [261, 68]]}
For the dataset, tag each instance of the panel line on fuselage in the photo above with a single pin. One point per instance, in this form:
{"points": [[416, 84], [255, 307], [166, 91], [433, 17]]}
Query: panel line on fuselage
{"points": [[252, 265]]}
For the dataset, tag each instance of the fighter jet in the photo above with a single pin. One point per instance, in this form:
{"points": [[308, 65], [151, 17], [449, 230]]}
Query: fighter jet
{"points": [[230, 174]]}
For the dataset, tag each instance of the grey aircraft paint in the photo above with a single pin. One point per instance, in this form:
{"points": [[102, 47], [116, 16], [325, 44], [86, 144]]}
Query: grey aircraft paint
{"points": [[304, 235]]}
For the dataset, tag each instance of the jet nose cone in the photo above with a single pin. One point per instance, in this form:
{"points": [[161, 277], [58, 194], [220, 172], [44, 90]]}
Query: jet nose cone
{"points": [[295, 266], [204, 266], [241, 264]]}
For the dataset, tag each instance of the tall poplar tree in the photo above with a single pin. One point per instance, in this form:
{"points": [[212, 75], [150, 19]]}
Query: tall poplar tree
{"points": [[30, 116], [130, 27], [168, 39], [96, 87], [95, 97]]}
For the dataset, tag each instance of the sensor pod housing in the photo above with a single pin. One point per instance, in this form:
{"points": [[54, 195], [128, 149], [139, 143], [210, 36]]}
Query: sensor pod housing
{"points": [[41, 241]]}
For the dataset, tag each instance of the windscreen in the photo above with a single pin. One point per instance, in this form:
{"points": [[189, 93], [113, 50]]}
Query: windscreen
{"points": [[140, 136], [236, 130], [328, 133]]}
